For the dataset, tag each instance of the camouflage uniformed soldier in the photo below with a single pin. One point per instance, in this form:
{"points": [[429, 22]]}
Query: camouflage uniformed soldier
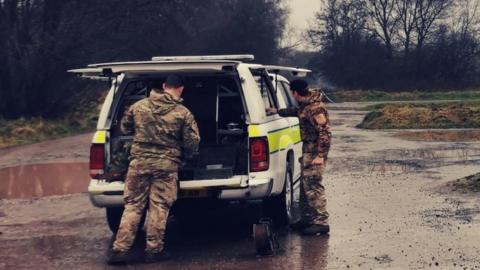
{"points": [[163, 130], [316, 136]]}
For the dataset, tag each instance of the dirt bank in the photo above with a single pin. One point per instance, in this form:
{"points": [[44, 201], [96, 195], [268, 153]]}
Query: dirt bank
{"points": [[423, 115]]}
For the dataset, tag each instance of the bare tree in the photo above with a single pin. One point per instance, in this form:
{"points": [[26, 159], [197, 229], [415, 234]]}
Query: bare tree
{"points": [[468, 21], [385, 21], [339, 19], [41, 39], [407, 13], [429, 11]]}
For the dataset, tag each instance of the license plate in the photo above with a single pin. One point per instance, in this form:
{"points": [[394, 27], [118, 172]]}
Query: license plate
{"points": [[195, 193]]}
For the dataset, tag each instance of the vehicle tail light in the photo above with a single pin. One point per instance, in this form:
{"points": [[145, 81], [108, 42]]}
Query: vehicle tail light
{"points": [[259, 154], [97, 160]]}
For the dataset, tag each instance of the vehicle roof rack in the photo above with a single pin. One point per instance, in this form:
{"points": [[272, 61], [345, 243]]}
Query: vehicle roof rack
{"points": [[236, 57]]}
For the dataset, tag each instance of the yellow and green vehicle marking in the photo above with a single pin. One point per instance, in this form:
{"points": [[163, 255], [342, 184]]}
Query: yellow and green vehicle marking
{"points": [[279, 139]]}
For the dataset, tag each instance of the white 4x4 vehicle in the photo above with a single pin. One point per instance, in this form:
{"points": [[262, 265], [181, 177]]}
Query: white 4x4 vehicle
{"points": [[245, 154]]}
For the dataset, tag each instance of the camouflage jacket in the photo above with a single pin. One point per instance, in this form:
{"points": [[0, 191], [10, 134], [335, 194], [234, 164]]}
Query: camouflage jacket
{"points": [[314, 124], [161, 127]]}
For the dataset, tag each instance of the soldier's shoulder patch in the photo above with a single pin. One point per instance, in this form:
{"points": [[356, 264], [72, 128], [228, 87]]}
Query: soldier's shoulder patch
{"points": [[320, 119]]}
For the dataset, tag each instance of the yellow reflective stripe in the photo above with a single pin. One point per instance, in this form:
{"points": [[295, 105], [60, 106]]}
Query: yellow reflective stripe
{"points": [[253, 131], [284, 142], [100, 136], [278, 139], [296, 135]]}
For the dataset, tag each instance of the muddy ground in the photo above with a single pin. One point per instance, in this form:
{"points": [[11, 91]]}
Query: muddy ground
{"points": [[390, 203]]}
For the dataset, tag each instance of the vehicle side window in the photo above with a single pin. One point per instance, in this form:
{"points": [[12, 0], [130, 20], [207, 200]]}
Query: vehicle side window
{"points": [[265, 86], [283, 93], [289, 99]]}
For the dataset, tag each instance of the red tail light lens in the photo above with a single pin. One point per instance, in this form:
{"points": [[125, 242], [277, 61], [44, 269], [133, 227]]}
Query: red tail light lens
{"points": [[259, 154], [97, 161]]}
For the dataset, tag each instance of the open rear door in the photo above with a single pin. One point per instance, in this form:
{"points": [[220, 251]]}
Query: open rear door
{"points": [[90, 73], [297, 72], [103, 71]]}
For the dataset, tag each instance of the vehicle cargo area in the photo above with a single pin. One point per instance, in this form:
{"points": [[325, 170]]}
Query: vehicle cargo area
{"points": [[216, 102]]}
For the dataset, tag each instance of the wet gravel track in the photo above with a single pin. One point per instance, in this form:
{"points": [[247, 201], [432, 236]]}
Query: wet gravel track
{"points": [[387, 198]]}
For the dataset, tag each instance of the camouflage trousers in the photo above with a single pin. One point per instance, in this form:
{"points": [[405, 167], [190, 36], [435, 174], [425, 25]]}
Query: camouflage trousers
{"points": [[153, 184], [314, 200]]}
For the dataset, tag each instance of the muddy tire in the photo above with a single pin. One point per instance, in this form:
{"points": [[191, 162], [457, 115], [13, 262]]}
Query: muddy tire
{"points": [[279, 208]]}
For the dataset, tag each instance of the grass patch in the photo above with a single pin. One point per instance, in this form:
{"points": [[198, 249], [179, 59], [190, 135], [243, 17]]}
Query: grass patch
{"points": [[25, 131], [423, 116], [373, 95], [81, 118]]}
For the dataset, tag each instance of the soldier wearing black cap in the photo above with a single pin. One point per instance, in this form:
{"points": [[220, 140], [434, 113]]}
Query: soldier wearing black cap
{"points": [[316, 136], [163, 131]]}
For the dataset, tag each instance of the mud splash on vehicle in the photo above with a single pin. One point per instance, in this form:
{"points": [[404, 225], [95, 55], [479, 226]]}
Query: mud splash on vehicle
{"points": [[443, 136], [41, 180]]}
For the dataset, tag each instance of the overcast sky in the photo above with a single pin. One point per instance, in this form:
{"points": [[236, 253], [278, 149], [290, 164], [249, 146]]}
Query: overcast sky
{"points": [[301, 12]]}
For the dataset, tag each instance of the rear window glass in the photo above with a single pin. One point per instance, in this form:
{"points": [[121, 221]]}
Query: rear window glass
{"points": [[265, 85], [287, 94], [266, 96]]}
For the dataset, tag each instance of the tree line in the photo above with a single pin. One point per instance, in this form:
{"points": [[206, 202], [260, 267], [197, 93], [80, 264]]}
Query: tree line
{"points": [[41, 39], [398, 44]]}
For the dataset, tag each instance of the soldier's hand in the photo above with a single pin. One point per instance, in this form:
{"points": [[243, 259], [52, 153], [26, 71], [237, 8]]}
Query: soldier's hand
{"points": [[318, 161], [271, 111]]}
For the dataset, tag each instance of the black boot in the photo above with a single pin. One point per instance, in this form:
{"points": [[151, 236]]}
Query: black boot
{"points": [[316, 229], [299, 225], [152, 257], [117, 257]]}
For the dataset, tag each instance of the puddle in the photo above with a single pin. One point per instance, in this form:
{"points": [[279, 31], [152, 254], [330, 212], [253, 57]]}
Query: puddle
{"points": [[41, 180], [460, 153], [421, 159], [438, 218], [463, 154], [350, 139], [384, 166], [433, 136]]}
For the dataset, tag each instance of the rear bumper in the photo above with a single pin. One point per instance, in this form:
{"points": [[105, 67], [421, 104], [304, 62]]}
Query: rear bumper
{"points": [[110, 194]]}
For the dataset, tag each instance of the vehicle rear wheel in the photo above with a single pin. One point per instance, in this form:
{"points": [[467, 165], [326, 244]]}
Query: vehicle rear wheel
{"points": [[114, 216], [279, 208]]}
